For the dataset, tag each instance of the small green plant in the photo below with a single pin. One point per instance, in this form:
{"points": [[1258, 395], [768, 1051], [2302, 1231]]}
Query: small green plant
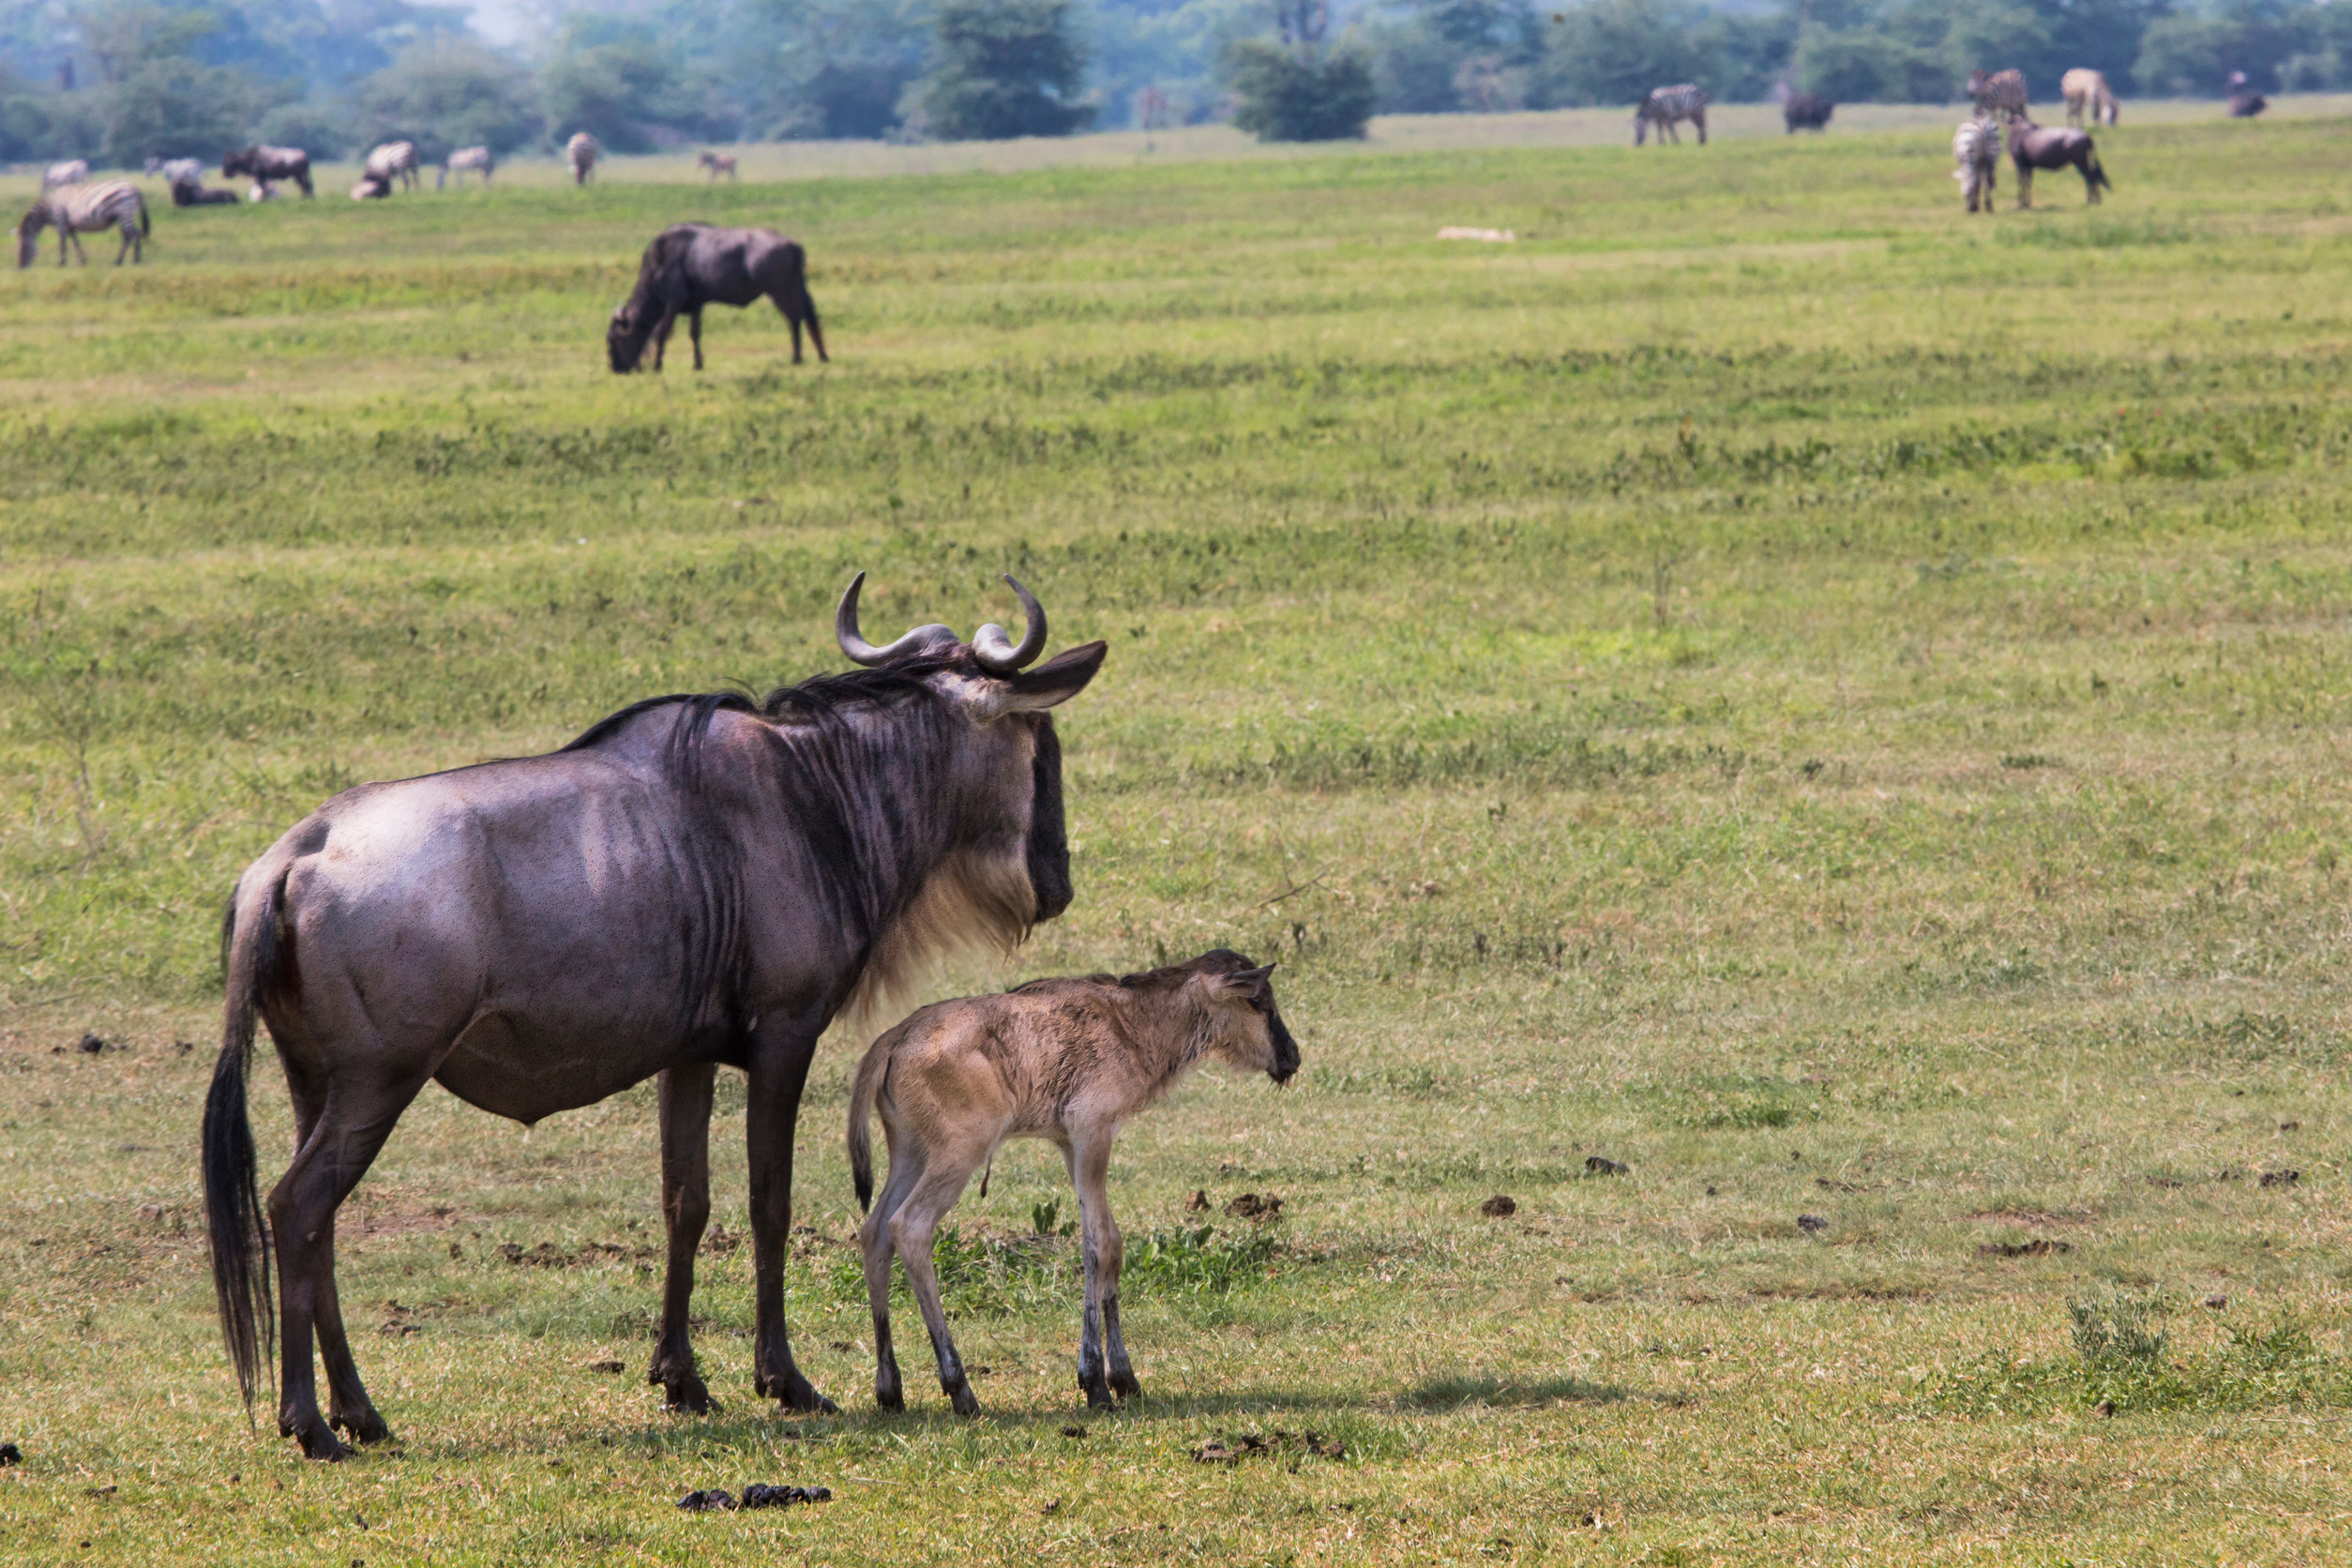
{"points": [[1046, 1219], [2117, 1328]]}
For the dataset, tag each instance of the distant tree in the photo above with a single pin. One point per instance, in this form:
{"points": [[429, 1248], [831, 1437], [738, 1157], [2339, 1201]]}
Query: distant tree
{"points": [[622, 86], [2189, 55], [1615, 50], [325, 130], [446, 94], [1868, 67], [1005, 69], [158, 99], [1287, 95], [831, 68]]}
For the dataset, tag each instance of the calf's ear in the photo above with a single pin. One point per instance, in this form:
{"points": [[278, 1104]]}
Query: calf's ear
{"points": [[1050, 684]]}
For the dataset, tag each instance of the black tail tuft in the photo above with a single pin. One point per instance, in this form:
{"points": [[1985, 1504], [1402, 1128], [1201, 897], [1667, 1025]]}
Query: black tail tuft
{"points": [[232, 1201]]}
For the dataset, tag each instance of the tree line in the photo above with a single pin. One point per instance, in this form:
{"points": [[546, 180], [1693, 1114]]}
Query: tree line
{"points": [[132, 79]]}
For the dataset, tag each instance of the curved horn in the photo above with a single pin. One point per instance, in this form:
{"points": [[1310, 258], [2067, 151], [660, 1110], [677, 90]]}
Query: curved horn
{"points": [[861, 652], [995, 650]]}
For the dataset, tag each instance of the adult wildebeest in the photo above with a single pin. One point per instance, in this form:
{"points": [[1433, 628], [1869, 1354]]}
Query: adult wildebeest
{"points": [[75, 210], [1976, 147], [2244, 102], [580, 152], [1066, 1061], [2000, 92], [74, 172], [2032, 146], [719, 163], [694, 881], [194, 193], [1804, 112], [267, 165], [692, 264], [1664, 106], [476, 160], [2088, 98], [391, 163]]}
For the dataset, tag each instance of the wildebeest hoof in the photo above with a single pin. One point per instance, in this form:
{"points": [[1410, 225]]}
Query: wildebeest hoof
{"points": [[799, 1398], [364, 1427], [890, 1398], [318, 1442], [1098, 1395], [688, 1396], [966, 1402], [1123, 1384]]}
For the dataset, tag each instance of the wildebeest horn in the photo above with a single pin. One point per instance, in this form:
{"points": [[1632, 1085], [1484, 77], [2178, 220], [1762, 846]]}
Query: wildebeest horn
{"points": [[994, 650], [863, 652]]}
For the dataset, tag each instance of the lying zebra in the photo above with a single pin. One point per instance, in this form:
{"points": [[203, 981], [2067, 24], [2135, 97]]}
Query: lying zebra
{"points": [[76, 210], [1664, 106]]}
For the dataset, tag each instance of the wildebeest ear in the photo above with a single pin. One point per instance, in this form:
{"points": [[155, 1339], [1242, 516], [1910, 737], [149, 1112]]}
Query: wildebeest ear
{"points": [[1049, 685]]}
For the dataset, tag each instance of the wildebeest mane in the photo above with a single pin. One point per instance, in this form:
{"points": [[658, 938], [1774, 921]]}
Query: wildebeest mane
{"points": [[862, 798]]}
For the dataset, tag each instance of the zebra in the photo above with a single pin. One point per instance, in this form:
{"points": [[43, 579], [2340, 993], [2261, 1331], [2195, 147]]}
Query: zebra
{"points": [[75, 210], [74, 173], [393, 160], [178, 170], [580, 153], [719, 163], [2086, 94], [1664, 106], [1976, 147], [478, 160], [2001, 92]]}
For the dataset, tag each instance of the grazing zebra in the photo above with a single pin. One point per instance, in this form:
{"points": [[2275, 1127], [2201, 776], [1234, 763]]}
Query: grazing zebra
{"points": [[719, 163], [478, 160], [580, 153], [1665, 106], [75, 210], [59, 175], [1976, 147], [2088, 96], [267, 165], [2000, 92], [393, 160]]}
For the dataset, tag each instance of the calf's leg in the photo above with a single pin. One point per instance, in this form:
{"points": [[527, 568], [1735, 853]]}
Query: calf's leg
{"points": [[1103, 1368], [913, 1231], [684, 1094]]}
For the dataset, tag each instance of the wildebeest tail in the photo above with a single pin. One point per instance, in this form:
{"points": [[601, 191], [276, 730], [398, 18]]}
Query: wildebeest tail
{"points": [[862, 1093], [232, 1201], [2098, 172]]}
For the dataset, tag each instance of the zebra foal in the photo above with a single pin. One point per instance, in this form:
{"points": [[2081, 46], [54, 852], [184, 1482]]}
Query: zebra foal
{"points": [[75, 210]]}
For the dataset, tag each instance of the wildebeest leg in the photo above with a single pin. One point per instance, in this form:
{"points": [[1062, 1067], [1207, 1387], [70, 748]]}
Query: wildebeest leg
{"points": [[348, 1406], [913, 1229], [2024, 186], [779, 1069], [1101, 1348], [684, 1094], [694, 330], [661, 334], [875, 1242], [354, 1121], [1700, 121], [2090, 184]]}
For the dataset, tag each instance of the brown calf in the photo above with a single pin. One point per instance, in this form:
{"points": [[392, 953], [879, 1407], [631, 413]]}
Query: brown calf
{"points": [[1066, 1061]]}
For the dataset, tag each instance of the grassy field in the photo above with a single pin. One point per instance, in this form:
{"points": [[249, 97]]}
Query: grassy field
{"points": [[1834, 705]]}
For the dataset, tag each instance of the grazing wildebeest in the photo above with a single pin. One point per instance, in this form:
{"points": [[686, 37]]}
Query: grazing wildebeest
{"points": [[2000, 92], [719, 163], [694, 881], [75, 210], [580, 152], [1976, 147], [1804, 112], [1066, 1061], [476, 160], [57, 175], [267, 165], [2088, 98], [1664, 106], [2244, 102], [390, 162], [2032, 146], [692, 264]]}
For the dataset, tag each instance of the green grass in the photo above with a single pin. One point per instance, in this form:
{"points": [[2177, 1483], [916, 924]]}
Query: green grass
{"points": [[1837, 706]]}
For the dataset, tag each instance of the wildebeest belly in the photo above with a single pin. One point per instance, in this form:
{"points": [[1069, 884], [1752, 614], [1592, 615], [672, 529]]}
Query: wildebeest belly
{"points": [[518, 1068]]}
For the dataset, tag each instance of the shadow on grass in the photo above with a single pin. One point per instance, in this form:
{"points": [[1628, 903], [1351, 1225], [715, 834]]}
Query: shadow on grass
{"points": [[1455, 1390]]}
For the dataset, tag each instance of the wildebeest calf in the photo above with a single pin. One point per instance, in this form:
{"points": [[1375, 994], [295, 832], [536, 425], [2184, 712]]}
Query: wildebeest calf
{"points": [[692, 264], [1066, 1061]]}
